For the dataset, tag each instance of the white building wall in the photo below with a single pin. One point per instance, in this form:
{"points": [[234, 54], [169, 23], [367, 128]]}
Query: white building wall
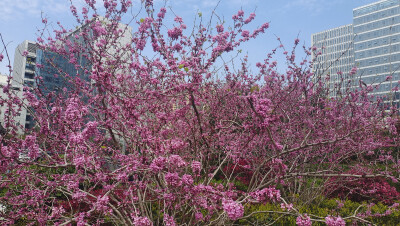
{"points": [[19, 120]]}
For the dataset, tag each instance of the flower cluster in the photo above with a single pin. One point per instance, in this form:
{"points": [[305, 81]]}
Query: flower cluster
{"points": [[196, 167], [267, 194], [334, 221], [141, 221], [303, 220], [233, 209], [169, 220]]}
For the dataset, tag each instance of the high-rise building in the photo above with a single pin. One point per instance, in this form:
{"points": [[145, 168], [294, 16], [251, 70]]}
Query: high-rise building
{"points": [[374, 44], [24, 64], [336, 57], [24, 74], [5, 107], [54, 68], [377, 45]]}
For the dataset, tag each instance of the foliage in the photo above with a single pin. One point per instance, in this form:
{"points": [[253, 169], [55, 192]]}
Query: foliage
{"points": [[351, 212], [375, 189]]}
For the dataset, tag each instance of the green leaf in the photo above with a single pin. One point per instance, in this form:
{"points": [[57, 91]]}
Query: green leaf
{"points": [[181, 66], [255, 88], [186, 69], [141, 20], [200, 14]]}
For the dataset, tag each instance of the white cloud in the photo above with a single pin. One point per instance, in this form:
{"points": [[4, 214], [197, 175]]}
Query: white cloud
{"points": [[20, 9]]}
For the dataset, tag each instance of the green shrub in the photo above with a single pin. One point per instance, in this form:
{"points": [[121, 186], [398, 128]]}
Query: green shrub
{"points": [[380, 214]]}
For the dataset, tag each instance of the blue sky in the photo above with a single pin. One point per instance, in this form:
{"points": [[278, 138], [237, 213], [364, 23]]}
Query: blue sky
{"points": [[20, 19]]}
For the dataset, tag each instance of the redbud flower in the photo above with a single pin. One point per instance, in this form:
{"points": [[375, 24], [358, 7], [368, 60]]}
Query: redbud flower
{"points": [[334, 221], [245, 33], [233, 209], [220, 28], [303, 220]]}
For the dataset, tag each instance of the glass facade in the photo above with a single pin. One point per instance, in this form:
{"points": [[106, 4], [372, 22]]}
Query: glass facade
{"points": [[377, 46], [336, 58], [374, 48], [55, 70]]}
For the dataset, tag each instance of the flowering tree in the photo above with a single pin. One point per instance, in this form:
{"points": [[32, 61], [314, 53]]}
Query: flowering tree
{"points": [[149, 141]]}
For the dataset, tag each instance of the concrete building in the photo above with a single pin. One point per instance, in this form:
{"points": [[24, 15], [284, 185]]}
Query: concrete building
{"points": [[24, 74], [374, 45], [24, 64], [4, 107]]}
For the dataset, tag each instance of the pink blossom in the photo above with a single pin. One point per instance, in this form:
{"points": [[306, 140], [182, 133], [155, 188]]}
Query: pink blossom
{"points": [[250, 18], [220, 28], [187, 179], [84, 10], [353, 71], [173, 179], [102, 203], [233, 209], [148, 127], [57, 211], [80, 219], [196, 167], [303, 220], [245, 34], [287, 207], [78, 195], [176, 160], [169, 220], [175, 33], [178, 19], [267, 194], [141, 221], [334, 221], [162, 12], [158, 164]]}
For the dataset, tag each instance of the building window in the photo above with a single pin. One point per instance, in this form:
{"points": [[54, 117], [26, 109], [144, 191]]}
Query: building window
{"points": [[29, 75]]}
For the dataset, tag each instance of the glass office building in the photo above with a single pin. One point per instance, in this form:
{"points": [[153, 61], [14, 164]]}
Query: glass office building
{"points": [[375, 44], [56, 70], [336, 58]]}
